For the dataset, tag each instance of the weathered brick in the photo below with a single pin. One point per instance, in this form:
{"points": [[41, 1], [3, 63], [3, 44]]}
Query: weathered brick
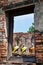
{"points": [[41, 0], [39, 47], [34, 63], [3, 47], [39, 59], [39, 54], [37, 35]]}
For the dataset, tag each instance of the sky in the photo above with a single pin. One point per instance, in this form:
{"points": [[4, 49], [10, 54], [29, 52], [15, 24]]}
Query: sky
{"points": [[23, 22]]}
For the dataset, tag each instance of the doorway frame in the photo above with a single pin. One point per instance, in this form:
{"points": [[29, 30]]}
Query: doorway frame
{"points": [[10, 22]]}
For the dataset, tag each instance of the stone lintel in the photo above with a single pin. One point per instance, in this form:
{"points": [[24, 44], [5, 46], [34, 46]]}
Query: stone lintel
{"points": [[19, 5]]}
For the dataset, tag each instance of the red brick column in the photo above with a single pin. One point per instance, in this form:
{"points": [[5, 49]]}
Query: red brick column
{"points": [[39, 47], [3, 40]]}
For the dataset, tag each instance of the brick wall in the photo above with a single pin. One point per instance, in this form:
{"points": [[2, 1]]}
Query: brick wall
{"points": [[7, 2], [39, 47], [19, 64], [39, 17], [3, 40]]}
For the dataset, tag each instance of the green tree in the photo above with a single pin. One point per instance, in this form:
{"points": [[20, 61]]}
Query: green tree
{"points": [[31, 29]]}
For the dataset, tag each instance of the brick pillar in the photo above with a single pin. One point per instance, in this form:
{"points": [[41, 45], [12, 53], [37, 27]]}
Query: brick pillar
{"points": [[3, 37], [39, 36]]}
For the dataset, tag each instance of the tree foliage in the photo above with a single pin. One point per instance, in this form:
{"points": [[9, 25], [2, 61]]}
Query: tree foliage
{"points": [[31, 29]]}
